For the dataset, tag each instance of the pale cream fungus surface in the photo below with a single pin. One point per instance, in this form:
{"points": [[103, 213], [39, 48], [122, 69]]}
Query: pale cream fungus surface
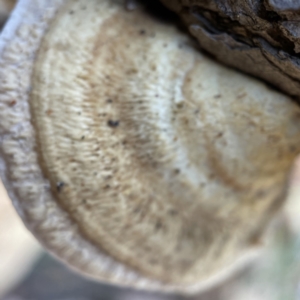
{"points": [[167, 161]]}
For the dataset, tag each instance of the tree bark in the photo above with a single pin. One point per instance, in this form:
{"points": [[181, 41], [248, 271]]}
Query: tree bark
{"points": [[259, 37]]}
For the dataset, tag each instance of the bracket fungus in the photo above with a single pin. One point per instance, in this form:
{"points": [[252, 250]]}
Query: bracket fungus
{"points": [[130, 155]]}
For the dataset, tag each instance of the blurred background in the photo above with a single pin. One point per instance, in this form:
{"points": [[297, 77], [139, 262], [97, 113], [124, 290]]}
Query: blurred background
{"points": [[27, 272]]}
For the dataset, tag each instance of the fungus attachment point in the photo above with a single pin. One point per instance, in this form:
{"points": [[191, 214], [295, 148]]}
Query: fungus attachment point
{"points": [[174, 180]]}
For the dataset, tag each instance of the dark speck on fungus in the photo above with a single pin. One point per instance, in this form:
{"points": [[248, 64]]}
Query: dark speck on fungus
{"points": [[12, 103], [112, 123], [59, 186]]}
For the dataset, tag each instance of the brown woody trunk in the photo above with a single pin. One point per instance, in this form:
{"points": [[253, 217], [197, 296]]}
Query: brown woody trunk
{"points": [[259, 37]]}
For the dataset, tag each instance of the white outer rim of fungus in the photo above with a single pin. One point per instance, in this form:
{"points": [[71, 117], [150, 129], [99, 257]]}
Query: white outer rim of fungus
{"points": [[32, 18]]}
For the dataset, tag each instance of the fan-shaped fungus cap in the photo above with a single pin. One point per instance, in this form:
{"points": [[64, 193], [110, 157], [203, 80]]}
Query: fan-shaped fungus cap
{"points": [[129, 154]]}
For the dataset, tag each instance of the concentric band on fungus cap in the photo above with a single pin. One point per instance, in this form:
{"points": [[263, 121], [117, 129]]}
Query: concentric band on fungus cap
{"points": [[128, 153]]}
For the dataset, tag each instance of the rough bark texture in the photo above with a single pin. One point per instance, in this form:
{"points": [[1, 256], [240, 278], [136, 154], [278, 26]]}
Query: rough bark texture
{"points": [[259, 37]]}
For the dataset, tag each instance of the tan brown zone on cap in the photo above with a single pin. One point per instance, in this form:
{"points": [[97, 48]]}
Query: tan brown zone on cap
{"points": [[165, 160]]}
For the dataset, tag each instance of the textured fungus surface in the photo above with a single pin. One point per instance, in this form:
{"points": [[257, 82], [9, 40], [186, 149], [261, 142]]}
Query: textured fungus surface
{"points": [[260, 37], [132, 156]]}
